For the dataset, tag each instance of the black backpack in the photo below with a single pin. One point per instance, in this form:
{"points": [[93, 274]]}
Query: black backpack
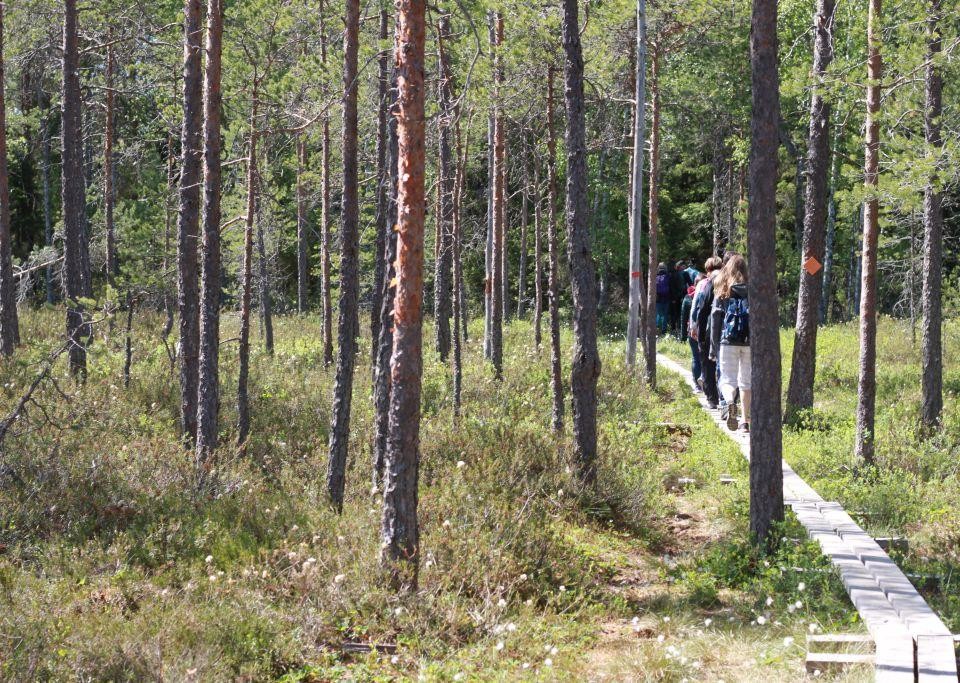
{"points": [[736, 322]]}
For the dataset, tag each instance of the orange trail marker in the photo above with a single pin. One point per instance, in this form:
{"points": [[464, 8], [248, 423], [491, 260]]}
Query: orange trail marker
{"points": [[811, 265]]}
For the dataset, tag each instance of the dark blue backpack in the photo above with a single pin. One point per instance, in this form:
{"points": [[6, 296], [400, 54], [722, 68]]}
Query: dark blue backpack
{"points": [[736, 322], [663, 285]]}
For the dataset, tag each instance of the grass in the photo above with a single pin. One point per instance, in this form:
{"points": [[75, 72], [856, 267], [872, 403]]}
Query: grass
{"points": [[913, 489], [113, 568]]}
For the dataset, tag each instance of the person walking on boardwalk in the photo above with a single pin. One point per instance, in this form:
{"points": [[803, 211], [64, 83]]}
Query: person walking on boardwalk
{"points": [[687, 325], [730, 339], [663, 298], [700, 330]]}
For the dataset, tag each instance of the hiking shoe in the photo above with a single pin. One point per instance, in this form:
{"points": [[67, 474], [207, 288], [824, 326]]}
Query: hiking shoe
{"points": [[732, 417], [712, 405], [724, 412], [745, 427]]}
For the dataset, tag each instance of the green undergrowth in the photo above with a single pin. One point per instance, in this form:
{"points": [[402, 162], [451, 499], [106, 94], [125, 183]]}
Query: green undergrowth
{"points": [[912, 490], [112, 567]]}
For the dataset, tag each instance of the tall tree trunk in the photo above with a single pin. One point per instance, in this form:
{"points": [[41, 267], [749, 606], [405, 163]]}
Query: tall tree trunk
{"points": [[804, 366], [263, 291], [867, 381], [108, 191], [556, 379], [381, 376], [208, 390], [400, 531], [718, 199], [9, 325], [826, 301], [128, 341], [766, 470], [458, 298], [325, 241], [442, 288], [167, 224], [348, 323], [243, 399], [48, 209], [653, 221], [931, 404], [188, 219], [524, 224], [383, 180], [75, 252], [497, 261], [585, 368], [303, 231], [488, 246], [537, 261], [635, 284]]}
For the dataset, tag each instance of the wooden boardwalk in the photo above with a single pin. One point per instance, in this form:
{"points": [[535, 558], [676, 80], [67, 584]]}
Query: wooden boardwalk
{"points": [[912, 643]]}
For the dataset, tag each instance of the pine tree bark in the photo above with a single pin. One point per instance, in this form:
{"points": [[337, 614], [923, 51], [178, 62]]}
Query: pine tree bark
{"points": [[108, 174], [383, 180], [208, 385], [325, 241], [303, 231], [537, 259], [867, 380], [653, 222], [263, 283], [766, 470], [458, 298], [804, 366], [585, 367], [348, 322], [381, 375], [635, 284], [442, 286], [524, 225], [9, 324], [556, 379], [77, 284], [826, 301], [49, 276], [931, 403], [497, 260], [400, 530], [246, 286], [488, 245], [188, 219]]}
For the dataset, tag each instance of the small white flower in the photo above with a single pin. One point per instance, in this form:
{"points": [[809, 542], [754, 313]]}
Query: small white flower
{"points": [[563, 589], [548, 662], [528, 602], [523, 577], [788, 641], [446, 524], [813, 628], [791, 608], [499, 646], [707, 621], [501, 603], [339, 578], [560, 493], [798, 604], [769, 601], [511, 627], [456, 676], [761, 620], [209, 559], [394, 659], [340, 539], [526, 665], [801, 586], [816, 673], [213, 578], [661, 638], [398, 611], [554, 651], [666, 620], [461, 464]]}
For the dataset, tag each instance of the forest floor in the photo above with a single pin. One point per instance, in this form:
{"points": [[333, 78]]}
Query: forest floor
{"points": [[111, 567]]}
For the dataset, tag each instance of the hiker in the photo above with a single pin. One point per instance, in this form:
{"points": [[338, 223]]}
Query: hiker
{"points": [[663, 298], [730, 339], [678, 290], [700, 330], [685, 311]]}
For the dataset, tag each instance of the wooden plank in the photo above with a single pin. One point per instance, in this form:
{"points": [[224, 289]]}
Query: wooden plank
{"points": [[840, 638], [831, 662], [936, 659]]}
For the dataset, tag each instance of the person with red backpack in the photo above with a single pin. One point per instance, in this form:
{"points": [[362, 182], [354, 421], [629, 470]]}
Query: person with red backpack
{"points": [[730, 340], [664, 298]]}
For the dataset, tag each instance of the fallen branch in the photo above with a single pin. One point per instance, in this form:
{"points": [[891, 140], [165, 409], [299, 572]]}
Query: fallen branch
{"points": [[27, 397]]}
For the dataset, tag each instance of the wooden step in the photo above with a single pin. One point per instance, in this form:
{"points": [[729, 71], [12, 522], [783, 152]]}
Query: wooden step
{"points": [[840, 639], [831, 662]]}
